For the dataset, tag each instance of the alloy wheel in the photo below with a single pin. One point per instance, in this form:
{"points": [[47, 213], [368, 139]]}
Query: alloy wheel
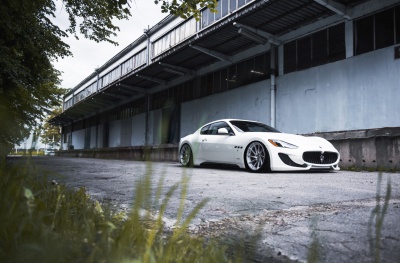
{"points": [[185, 155], [255, 156]]}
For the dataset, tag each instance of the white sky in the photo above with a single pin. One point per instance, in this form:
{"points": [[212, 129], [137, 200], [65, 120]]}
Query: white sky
{"points": [[88, 55]]}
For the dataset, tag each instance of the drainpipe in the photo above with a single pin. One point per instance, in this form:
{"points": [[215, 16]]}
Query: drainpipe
{"points": [[97, 123], [273, 85], [97, 134], [147, 33], [98, 78], [70, 142], [146, 138]]}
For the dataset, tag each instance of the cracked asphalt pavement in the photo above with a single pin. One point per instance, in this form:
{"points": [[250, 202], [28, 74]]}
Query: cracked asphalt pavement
{"points": [[283, 217]]}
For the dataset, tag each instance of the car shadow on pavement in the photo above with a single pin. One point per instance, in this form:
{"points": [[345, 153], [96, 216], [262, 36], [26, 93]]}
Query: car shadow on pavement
{"points": [[231, 167]]}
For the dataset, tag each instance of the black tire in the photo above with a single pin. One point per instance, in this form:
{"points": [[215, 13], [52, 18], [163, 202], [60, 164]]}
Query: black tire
{"points": [[186, 156], [256, 158]]}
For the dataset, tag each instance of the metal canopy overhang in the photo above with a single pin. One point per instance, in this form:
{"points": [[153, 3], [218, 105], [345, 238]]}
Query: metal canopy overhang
{"points": [[275, 17]]}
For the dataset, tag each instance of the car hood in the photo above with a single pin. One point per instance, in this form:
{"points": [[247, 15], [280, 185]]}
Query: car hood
{"points": [[299, 140]]}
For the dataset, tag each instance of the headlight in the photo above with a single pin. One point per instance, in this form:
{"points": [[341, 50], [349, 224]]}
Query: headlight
{"points": [[282, 144]]}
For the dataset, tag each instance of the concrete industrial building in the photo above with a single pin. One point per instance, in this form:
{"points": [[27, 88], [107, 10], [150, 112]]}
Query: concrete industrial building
{"points": [[326, 67]]}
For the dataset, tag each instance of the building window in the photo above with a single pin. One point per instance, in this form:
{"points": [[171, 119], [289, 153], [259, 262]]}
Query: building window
{"points": [[127, 66], [68, 103], [261, 68], [320, 48], [290, 56], [336, 43], [324, 46], [242, 73], [232, 5], [304, 53], [217, 81], [377, 31], [92, 88], [364, 38], [384, 29], [224, 7], [241, 3], [217, 15], [232, 77], [134, 62], [209, 84], [111, 76], [175, 36], [397, 15]]}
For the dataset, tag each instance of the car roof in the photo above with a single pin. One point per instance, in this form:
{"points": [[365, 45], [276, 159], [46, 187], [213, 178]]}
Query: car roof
{"points": [[226, 121]]}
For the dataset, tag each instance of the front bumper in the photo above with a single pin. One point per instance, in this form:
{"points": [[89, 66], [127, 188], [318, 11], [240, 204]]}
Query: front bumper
{"points": [[293, 160]]}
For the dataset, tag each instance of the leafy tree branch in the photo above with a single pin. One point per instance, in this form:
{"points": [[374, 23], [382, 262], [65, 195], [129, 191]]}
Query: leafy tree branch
{"points": [[30, 42]]}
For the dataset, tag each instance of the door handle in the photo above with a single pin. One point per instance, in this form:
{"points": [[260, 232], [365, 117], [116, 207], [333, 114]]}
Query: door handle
{"points": [[204, 140]]}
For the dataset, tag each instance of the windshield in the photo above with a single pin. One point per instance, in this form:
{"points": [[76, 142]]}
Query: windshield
{"points": [[249, 126]]}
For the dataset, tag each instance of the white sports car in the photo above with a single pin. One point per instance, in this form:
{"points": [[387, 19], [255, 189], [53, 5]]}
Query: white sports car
{"points": [[256, 147]]}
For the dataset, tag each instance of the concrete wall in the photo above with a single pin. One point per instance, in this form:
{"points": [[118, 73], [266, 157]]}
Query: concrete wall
{"points": [[138, 130], [78, 139], [122, 133], [155, 119], [100, 131], [375, 153], [361, 92], [114, 139], [138, 153], [368, 149], [126, 131], [248, 102], [93, 137]]}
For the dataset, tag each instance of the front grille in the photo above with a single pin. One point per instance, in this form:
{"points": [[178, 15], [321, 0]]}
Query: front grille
{"points": [[319, 158]]}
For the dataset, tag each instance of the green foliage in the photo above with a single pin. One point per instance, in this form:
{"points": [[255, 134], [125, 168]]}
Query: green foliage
{"points": [[187, 8], [43, 222], [30, 152], [29, 43], [96, 18], [50, 133]]}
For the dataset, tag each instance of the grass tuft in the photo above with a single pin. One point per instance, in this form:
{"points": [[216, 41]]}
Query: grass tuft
{"points": [[47, 222]]}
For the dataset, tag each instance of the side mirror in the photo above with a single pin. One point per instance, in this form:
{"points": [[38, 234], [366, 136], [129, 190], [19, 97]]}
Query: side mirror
{"points": [[223, 131]]}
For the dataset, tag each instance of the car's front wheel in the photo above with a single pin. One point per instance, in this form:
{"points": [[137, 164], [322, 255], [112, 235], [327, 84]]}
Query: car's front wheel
{"points": [[186, 156], [256, 157]]}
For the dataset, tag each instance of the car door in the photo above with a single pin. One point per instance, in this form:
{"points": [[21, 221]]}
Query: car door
{"points": [[216, 146], [199, 144]]}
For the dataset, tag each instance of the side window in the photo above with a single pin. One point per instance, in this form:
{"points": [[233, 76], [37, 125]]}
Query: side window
{"points": [[205, 130], [215, 126]]}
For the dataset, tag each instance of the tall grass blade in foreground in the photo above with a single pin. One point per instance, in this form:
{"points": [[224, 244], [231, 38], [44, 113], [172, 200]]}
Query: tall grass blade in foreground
{"points": [[41, 222], [376, 219]]}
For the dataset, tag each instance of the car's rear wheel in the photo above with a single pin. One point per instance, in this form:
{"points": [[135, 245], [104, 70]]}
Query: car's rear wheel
{"points": [[256, 157], [186, 156]]}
